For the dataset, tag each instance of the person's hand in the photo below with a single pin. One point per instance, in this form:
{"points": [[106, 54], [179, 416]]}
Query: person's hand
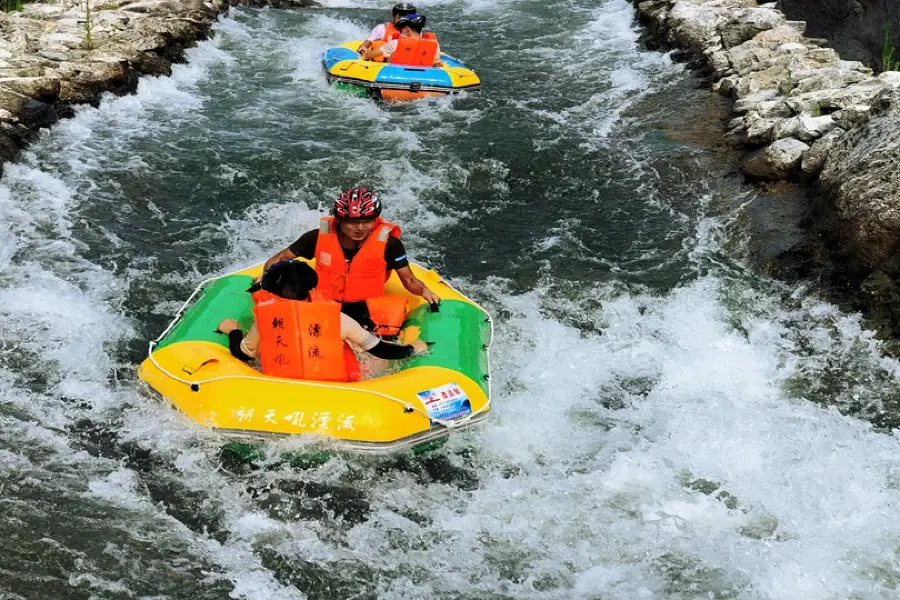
{"points": [[419, 346], [258, 278], [431, 297], [227, 326]]}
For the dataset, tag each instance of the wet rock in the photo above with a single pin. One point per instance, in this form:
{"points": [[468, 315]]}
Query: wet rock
{"points": [[37, 115], [781, 160]]}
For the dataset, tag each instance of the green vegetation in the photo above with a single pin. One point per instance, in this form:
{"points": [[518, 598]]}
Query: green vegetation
{"points": [[10, 5], [88, 26], [888, 62]]}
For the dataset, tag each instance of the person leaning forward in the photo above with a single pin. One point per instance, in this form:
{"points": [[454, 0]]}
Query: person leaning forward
{"points": [[355, 251]]}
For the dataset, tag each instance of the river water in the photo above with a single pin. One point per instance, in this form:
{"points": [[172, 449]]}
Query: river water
{"points": [[668, 423]]}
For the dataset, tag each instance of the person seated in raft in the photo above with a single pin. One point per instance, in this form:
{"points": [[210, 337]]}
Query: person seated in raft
{"points": [[385, 32], [299, 336], [410, 26], [355, 251]]}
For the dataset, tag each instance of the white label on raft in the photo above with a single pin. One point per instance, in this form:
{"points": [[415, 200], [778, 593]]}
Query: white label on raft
{"points": [[446, 402]]}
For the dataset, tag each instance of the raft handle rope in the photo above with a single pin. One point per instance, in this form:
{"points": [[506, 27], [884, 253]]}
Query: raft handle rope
{"points": [[408, 408]]}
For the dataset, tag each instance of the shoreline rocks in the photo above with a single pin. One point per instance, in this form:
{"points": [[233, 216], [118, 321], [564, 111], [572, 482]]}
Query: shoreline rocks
{"points": [[784, 85], [803, 114], [56, 55]]}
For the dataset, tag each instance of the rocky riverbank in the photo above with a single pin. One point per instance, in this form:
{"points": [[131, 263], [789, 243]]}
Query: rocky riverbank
{"points": [[802, 113], [55, 55]]}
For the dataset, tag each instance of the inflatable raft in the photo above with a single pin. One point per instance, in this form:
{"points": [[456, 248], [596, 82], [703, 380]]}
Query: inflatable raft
{"points": [[421, 401], [393, 82]]}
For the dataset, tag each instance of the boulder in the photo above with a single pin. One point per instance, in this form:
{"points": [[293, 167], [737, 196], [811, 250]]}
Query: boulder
{"points": [[853, 115], [691, 25], [833, 100], [783, 34], [37, 115], [745, 105], [779, 161], [814, 158], [759, 131], [39, 88], [749, 23], [856, 205], [805, 128]]}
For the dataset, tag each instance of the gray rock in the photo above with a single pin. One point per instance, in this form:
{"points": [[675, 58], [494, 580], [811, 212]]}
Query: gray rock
{"points": [[777, 162], [803, 127], [857, 205], [890, 78], [760, 131], [859, 93], [814, 158], [745, 105], [792, 48], [851, 116], [749, 23], [748, 57], [783, 34]]}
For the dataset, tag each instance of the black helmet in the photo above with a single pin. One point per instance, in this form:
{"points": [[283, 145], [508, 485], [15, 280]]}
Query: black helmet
{"points": [[403, 8], [290, 279], [413, 21]]}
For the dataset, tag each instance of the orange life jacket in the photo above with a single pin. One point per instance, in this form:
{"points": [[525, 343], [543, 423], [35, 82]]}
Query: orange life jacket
{"points": [[361, 278], [420, 52], [389, 32], [302, 340]]}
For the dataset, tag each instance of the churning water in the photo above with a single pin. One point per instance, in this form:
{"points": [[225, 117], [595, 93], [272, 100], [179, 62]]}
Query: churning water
{"points": [[667, 424]]}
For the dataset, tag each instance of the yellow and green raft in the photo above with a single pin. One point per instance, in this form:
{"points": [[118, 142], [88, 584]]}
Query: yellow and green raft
{"points": [[392, 82], [422, 402]]}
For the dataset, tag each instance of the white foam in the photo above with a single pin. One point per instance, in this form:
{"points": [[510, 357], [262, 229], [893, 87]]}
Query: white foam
{"points": [[589, 470]]}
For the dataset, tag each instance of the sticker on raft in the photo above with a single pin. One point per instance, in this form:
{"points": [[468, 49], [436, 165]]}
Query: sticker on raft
{"points": [[446, 402]]}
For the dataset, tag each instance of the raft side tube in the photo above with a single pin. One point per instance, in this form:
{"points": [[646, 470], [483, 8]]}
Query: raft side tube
{"points": [[461, 333], [225, 298]]}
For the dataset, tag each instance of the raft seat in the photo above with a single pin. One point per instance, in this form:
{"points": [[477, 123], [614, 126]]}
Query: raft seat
{"points": [[415, 52]]}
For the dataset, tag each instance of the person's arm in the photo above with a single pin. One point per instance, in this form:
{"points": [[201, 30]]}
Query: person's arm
{"points": [[437, 58], [376, 35], [372, 53], [304, 247], [415, 286], [285, 254], [389, 351], [385, 50]]}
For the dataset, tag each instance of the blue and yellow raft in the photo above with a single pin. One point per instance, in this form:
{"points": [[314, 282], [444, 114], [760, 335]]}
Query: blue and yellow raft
{"points": [[395, 82]]}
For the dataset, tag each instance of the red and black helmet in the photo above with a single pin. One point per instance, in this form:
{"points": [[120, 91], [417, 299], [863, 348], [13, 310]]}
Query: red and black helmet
{"points": [[357, 203]]}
